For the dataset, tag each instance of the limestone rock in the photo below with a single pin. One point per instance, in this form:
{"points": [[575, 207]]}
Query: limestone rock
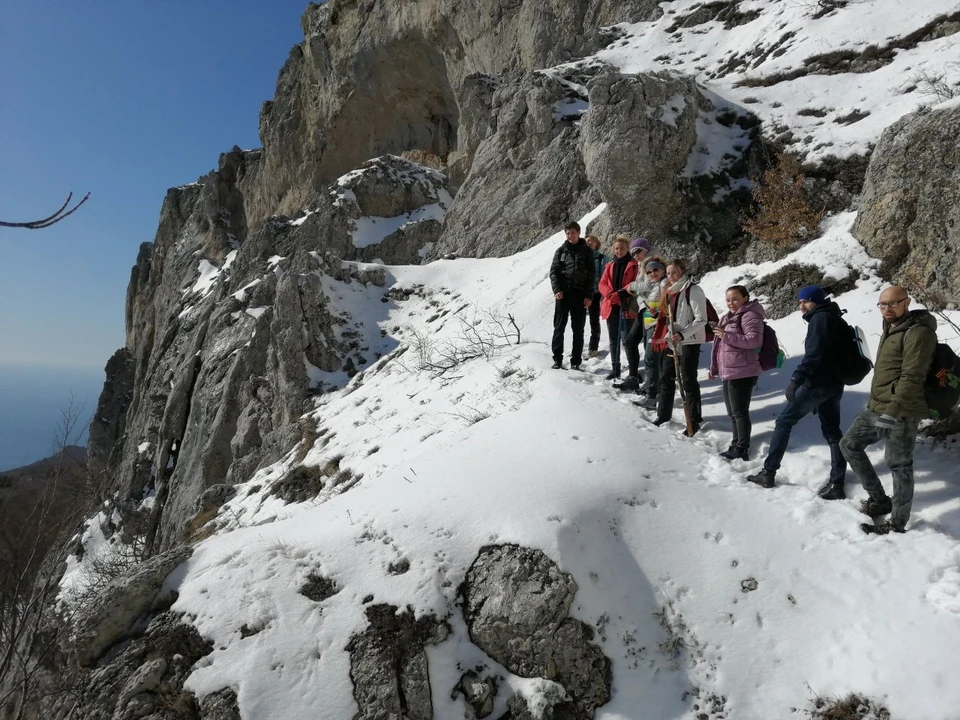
{"points": [[143, 676], [109, 616], [910, 206], [636, 140], [105, 441], [394, 209], [388, 664], [516, 603], [360, 56], [527, 175]]}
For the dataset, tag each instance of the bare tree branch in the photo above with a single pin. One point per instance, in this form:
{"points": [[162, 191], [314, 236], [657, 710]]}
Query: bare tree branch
{"points": [[48, 221]]}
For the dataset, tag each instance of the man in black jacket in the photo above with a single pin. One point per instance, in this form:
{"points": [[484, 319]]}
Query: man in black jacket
{"points": [[571, 277], [813, 388]]}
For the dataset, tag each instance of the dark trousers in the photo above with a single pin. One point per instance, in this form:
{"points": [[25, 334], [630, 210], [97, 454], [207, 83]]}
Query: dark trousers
{"points": [[615, 329], [595, 323], [826, 402], [631, 346], [736, 396], [689, 362], [570, 307], [897, 452], [652, 362]]}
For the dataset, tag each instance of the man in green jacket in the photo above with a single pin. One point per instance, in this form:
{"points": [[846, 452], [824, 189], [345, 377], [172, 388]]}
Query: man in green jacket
{"points": [[894, 410]]}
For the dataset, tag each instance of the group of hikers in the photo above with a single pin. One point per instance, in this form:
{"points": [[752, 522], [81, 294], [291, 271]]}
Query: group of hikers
{"points": [[650, 303]]}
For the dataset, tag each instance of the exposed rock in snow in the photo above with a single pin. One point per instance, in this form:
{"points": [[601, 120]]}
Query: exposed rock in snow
{"points": [[910, 208], [516, 602]]}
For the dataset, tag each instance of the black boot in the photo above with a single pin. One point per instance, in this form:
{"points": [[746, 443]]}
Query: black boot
{"points": [[765, 478], [629, 385], [832, 491], [876, 507], [615, 373], [884, 528], [734, 453]]}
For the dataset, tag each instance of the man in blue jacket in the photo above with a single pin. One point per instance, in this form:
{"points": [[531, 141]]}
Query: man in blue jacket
{"points": [[813, 388]]}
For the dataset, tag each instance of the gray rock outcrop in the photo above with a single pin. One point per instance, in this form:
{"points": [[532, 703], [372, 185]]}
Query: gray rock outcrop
{"points": [[910, 206], [388, 664], [108, 615], [516, 604], [143, 677], [413, 58], [105, 439], [527, 174]]}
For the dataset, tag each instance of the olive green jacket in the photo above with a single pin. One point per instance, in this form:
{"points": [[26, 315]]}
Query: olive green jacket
{"points": [[903, 361]]}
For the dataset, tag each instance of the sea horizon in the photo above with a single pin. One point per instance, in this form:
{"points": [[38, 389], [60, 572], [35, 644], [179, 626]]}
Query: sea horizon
{"points": [[33, 399]]}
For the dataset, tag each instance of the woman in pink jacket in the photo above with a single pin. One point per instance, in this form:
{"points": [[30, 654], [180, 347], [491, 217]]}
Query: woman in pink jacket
{"points": [[736, 360]]}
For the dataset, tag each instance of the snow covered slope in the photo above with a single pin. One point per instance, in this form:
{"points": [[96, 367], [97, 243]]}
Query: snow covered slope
{"points": [[828, 80], [499, 449]]}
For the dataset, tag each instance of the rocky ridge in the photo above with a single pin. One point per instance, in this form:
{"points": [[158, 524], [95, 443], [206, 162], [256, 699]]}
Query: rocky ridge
{"points": [[233, 323]]}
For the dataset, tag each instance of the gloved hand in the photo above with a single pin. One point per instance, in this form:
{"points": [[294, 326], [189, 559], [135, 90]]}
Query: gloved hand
{"points": [[884, 424], [791, 392]]}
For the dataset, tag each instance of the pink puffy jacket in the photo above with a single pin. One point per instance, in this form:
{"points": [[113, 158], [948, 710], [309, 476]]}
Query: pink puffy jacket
{"points": [[736, 354]]}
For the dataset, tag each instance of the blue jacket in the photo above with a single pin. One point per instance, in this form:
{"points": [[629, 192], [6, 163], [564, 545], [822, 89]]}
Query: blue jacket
{"points": [[825, 327]]}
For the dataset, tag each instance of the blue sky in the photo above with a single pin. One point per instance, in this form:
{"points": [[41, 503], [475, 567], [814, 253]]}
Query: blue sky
{"points": [[124, 100]]}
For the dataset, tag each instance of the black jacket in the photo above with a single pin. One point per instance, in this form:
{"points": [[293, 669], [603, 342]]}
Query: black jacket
{"points": [[572, 269], [825, 328]]}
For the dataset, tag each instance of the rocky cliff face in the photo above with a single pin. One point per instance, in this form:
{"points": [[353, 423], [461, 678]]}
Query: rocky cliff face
{"points": [[230, 323], [910, 207], [235, 315]]}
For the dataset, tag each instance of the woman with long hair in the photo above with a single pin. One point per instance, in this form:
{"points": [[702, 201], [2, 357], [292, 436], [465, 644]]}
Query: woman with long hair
{"points": [[738, 338], [681, 330]]}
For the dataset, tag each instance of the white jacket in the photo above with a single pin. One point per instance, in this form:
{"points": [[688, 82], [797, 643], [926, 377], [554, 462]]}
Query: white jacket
{"points": [[690, 318]]}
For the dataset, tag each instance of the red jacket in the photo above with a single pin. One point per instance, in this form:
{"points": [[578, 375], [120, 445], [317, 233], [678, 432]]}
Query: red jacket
{"points": [[608, 291]]}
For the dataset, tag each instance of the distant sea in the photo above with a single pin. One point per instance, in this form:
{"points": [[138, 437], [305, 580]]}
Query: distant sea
{"points": [[31, 402]]}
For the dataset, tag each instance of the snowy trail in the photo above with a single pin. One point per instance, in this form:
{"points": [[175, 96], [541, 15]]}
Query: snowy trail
{"points": [[759, 592]]}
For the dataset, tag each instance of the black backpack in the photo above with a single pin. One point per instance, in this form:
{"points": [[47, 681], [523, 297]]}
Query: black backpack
{"points": [[942, 384], [851, 361]]}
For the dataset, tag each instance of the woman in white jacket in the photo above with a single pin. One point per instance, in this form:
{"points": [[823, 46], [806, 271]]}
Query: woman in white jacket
{"points": [[684, 329]]}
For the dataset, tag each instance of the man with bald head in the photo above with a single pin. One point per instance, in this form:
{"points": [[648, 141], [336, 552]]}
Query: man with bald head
{"points": [[896, 406]]}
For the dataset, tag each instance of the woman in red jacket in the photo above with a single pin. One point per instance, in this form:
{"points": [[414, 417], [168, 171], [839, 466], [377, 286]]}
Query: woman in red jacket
{"points": [[614, 308]]}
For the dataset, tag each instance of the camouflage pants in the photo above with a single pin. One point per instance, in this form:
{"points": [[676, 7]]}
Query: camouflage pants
{"points": [[897, 452]]}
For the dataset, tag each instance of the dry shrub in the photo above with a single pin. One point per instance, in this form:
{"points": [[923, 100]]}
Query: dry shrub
{"points": [[852, 707], [425, 157], [783, 217]]}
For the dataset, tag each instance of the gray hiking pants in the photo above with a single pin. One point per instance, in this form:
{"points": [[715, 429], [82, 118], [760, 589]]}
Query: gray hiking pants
{"points": [[897, 452]]}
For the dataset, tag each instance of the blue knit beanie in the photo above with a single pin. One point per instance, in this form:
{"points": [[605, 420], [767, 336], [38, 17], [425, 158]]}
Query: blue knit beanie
{"points": [[639, 244], [812, 293]]}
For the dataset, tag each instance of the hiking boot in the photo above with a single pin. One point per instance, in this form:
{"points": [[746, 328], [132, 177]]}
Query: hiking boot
{"points": [[884, 528], [593, 353], [630, 384], [734, 453], [574, 367], [557, 366], [661, 421], [614, 374], [643, 390], [765, 478], [876, 507], [649, 403], [832, 491]]}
